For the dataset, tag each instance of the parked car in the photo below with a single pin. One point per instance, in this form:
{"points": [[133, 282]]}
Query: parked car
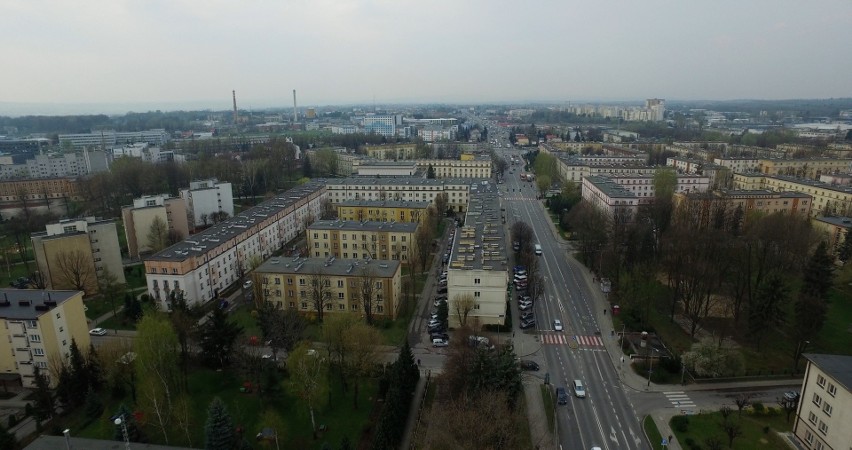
{"points": [[247, 284], [519, 269], [442, 289], [440, 343], [527, 324], [529, 365], [438, 302], [440, 335], [524, 306], [97, 331], [561, 396], [792, 396]]}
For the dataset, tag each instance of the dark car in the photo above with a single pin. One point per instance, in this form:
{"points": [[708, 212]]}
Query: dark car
{"points": [[529, 365], [561, 396], [526, 315], [442, 290], [527, 324], [440, 335]]}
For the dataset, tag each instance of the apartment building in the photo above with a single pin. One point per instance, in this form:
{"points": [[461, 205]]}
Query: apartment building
{"points": [[31, 190], [390, 151], [402, 188], [704, 204], [108, 138], [387, 168], [139, 217], [365, 240], [75, 253], [810, 168], [453, 168], [642, 186], [37, 329], [478, 265], [824, 411], [381, 124], [828, 199], [383, 210], [834, 230], [574, 168], [738, 164], [434, 134], [288, 283], [207, 197], [611, 198], [208, 262]]}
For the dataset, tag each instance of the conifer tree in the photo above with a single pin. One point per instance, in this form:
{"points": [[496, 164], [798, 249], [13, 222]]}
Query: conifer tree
{"points": [[219, 429], [45, 404]]}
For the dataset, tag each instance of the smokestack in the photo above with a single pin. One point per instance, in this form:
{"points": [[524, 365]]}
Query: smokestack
{"points": [[295, 115], [234, 95]]}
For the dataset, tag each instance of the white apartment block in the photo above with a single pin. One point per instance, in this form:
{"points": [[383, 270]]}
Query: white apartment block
{"points": [[738, 164], [824, 411], [109, 138], [403, 188], [211, 261], [206, 197], [642, 186], [437, 134], [453, 168], [59, 165], [575, 169], [611, 198]]}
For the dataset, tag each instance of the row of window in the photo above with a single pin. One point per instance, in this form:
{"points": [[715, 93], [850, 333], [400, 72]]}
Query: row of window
{"points": [[327, 282], [304, 294], [832, 389]]}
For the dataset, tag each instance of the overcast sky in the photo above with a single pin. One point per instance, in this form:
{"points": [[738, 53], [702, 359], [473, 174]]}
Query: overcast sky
{"points": [[187, 52]]}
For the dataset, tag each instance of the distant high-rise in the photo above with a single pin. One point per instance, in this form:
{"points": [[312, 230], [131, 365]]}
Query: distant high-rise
{"points": [[657, 108]]}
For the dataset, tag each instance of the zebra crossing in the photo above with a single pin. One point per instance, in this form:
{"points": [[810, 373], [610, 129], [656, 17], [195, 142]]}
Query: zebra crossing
{"points": [[562, 339], [518, 198], [679, 399]]}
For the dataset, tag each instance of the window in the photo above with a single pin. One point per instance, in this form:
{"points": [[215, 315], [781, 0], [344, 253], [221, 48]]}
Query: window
{"points": [[832, 389], [476, 306], [812, 418], [57, 316], [340, 295], [476, 294], [38, 351], [820, 445], [817, 400], [340, 283], [32, 324], [821, 381], [823, 428], [328, 307], [809, 437], [827, 409], [476, 281], [35, 338], [41, 364], [341, 307], [304, 305]]}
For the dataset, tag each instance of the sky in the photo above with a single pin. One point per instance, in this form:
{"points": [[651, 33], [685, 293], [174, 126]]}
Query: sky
{"points": [[185, 54]]}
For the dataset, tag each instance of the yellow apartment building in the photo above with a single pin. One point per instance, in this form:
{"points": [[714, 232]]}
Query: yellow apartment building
{"points": [[362, 240], [824, 411], [457, 168], [37, 328], [139, 217], [828, 199], [288, 282], [803, 168], [834, 230], [383, 210], [391, 151]]}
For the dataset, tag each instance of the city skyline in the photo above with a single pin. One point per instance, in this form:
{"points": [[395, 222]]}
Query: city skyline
{"points": [[120, 56]]}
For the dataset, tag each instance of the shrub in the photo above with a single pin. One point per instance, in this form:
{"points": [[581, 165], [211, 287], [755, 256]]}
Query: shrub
{"points": [[680, 424], [766, 430], [757, 407], [13, 420]]}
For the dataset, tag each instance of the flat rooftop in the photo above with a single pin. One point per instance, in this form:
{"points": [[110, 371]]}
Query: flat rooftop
{"points": [[838, 367], [20, 304], [336, 183], [201, 243], [329, 266], [481, 243], [416, 204], [609, 187], [367, 225], [845, 222], [813, 183]]}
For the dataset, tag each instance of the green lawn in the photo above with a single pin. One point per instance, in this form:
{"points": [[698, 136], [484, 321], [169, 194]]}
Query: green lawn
{"points": [[98, 306], [136, 276], [753, 436], [547, 399], [836, 336], [243, 317], [652, 432], [14, 271], [248, 411]]}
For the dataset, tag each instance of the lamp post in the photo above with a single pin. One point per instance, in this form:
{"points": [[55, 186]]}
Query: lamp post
{"points": [[67, 434], [650, 365], [121, 422]]}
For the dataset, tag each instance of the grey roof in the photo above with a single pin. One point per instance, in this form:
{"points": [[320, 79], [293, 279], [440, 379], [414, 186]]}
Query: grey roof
{"points": [[58, 442], [36, 302], [481, 244], [329, 266], [367, 225], [845, 222], [412, 181], [374, 162], [813, 183], [757, 192], [199, 244], [609, 187], [416, 204], [838, 367]]}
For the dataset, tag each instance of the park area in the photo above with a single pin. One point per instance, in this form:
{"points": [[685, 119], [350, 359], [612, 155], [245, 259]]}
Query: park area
{"points": [[756, 428]]}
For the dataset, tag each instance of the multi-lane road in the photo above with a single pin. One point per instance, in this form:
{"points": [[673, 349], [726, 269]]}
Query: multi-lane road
{"points": [[605, 417]]}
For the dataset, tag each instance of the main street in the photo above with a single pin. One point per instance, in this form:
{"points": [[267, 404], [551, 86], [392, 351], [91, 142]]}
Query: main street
{"points": [[605, 418]]}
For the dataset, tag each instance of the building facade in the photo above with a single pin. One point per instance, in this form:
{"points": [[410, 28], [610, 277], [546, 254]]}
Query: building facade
{"points": [[824, 411], [403, 188], [703, 205], [383, 210], [37, 329], [362, 240], [451, 168], [611, 198], [828, 199], [76, 253], [139, 217], [390, 151], [218, 257], [810, 168], [104, 139], [387, 168], [208, 197], [293, 283], [834, 230]]}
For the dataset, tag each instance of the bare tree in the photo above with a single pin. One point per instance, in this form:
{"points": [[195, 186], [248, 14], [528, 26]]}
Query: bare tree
{"points": [[442, 202], [110, 288], [308, 378], [327, 210], [281, 328], [363, 343], [319, 292], [423, 246], [522, 233], [463, 304], [158, 234], [366, 292], [75, 269], [742, 400]]}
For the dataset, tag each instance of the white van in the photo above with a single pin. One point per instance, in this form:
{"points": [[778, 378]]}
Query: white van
{"points": [[538, 249], [579, 389]]}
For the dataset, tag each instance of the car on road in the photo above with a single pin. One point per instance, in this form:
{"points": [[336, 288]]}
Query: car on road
{"points": [[792, 396], [442, 289], [97, 331], [561, 396], [529, 365], [440, 335], [440, 343], [579, 389], [557, 325]]}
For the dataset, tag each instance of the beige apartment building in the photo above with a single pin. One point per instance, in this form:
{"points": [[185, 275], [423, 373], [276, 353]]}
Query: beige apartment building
{"points": [[401, 188], [824, 411], [383, 210], [37, 329], [828, 199], [810, 168], [834, 230], [289, 283], [390, 151], [703, 205], [362, 240], [139, 217], [611, 198], [456, 168], [75, 253]]}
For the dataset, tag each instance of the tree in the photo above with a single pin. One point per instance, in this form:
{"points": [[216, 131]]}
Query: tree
{"points": [[281, 328], [463, 304], [308, 379], [319, 292], [110, 288], [366, 292], [94, 406], [742, 400], [74, 270], [219, 432], [184, 319], [217, 337], [45, 403], [844, 253], [7, 439], [812, 303], [767, 312], [134, 433], [158, 234], [327, 210], [430, 172], [706, 359], [335, 333], [158, 369], [477, 421], [732, 429], [307, 170], [423, 246], [522, 233], [442, 202], [362, 340]]}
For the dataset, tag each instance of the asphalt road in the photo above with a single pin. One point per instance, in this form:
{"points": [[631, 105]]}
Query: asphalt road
{"points": [[605, 418]]}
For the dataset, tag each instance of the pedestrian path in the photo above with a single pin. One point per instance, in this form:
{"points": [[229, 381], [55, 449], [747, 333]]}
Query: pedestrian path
{"points": [[581, 341], [679, 399]]}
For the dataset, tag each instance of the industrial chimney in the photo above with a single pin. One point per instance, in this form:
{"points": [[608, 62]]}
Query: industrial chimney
{"points": [[234, 95], [295, 114]]}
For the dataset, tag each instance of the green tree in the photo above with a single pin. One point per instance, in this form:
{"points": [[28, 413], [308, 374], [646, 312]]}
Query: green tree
{"points": [[812, 303], [184, 320], [7, 439], [110, 288], [158, 234], [158, 370], [281, 328], [45, 403], [844, 253], [219, 432], [217, 337], [134, 433], [430, 172], [308, 378], [307, 170], [767, 312], [94, 406]]}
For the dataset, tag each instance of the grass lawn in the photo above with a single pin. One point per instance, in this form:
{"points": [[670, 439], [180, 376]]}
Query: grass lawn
{"points": [[836, 335], [652, 432], [14, 271], [136, 276], [703, 426], [244, 318], [251, 411], [98, 306], [547, 399]]}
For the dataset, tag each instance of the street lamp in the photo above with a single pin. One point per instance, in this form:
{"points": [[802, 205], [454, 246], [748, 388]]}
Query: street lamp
{"points": [[123, 423], [651, 365], [67, 434]]}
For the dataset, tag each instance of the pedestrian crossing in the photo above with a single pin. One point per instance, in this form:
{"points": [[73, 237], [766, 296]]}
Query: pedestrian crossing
{"points": [[562, 339], [679, 399], [518, 198]]}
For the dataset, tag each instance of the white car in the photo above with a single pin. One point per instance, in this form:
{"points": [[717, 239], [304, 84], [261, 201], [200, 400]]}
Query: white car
{"points": [[557, 325], [97, 332], [247, 284]]}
